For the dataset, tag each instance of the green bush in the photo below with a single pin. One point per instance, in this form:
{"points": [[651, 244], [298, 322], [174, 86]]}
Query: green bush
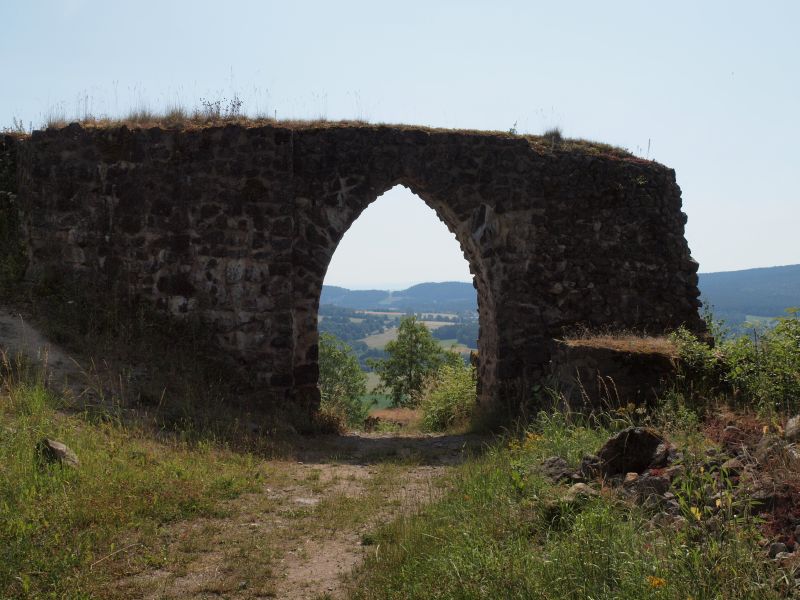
{"points": [[342, 382], [448, 397], [765, 368], [761, 371], [413, 357]]}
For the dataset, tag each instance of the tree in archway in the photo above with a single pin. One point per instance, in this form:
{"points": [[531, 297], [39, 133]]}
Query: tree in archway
{"points": [[412, 357], [342, 383]]}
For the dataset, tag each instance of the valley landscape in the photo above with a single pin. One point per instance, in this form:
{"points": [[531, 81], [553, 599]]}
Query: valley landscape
{"points": [[743, 302]]}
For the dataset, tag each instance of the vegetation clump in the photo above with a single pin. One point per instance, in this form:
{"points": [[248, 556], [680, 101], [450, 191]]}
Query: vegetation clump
{"points": [[759, 371], [59, 526], [717, 522], [215, 112], [447, 398], [342, 383], [412, 357], [505, 530]]}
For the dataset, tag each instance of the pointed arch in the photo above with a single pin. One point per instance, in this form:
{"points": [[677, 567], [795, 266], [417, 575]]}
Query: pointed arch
{"points": [[339, 208]]}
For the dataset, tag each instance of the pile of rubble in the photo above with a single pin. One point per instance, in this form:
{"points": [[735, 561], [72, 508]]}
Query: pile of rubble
{"points": [[742, 470]]}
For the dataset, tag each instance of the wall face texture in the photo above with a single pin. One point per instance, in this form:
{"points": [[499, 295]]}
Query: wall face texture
{"points": [[237, 225]]}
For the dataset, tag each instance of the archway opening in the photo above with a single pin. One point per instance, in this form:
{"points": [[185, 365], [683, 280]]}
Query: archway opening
{"points": [[398, 300]]}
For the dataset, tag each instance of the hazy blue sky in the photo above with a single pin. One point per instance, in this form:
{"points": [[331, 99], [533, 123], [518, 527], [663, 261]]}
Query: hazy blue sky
{"points": [[712, 87]]}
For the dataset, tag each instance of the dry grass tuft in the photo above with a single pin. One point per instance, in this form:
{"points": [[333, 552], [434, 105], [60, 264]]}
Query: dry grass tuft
{"points": [[625, 342], [218, 113]]}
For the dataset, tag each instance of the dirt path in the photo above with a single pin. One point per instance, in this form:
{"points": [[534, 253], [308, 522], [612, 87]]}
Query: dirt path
{"points": [[311, 522]]}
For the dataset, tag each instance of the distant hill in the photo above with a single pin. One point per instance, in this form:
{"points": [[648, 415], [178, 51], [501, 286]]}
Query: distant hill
{"points": [[449, 296], [358, 299], [734, 296], [737, 296]]}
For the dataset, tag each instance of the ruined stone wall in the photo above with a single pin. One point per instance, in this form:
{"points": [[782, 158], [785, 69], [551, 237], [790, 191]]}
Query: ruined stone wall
{"points": [[238, 224], [13, 252], [8, 164], [594, 376]]}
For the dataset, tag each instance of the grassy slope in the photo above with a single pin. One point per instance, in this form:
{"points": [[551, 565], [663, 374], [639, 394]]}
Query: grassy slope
{"points": [[148, 514], [503, 533], [63, 531]]}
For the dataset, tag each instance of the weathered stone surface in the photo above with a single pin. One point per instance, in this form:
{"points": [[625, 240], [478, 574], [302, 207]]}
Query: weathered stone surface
{"points": [[237, 225], [630, 479], [53, 451], [765, 494], [646, 486], [634, 449], [733, 440], [591, 376], [771, 447], [557, 469], [591, 466], [579, 490], [792, 430], [733, 467], [776, 548]]}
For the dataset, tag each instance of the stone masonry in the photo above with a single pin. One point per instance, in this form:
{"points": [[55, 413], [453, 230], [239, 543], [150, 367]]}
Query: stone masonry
{"points": [[237, 225]]}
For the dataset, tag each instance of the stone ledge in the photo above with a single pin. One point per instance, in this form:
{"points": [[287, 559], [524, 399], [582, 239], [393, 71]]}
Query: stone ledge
{"points": [[606, 371]]}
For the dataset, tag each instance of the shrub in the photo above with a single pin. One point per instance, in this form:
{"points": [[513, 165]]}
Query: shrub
{"points": [[765, 368], [762, 370], [553, 135], [342, 382], [448, 396], [413, 357]]}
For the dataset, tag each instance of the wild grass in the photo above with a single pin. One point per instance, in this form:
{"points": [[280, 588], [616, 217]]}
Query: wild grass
{"points": [[144, 508], [506, 532], [761, 371], [65, 532], [218, 112], [623, 341]]}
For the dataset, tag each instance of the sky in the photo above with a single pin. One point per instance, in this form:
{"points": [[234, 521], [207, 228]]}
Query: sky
{"points": [[711, 89]]}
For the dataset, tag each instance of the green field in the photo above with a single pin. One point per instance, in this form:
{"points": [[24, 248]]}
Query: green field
{"points": [[761, 321], [381, 400], [431, 325], [379, 340], [373, 381], [455, 345]]}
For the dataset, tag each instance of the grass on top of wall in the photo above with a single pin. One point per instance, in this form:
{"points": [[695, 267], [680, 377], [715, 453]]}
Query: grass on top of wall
{"points": [[230, 111]]}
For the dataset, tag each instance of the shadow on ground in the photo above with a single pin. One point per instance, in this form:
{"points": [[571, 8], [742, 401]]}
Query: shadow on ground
{"points": [[370, 448]]}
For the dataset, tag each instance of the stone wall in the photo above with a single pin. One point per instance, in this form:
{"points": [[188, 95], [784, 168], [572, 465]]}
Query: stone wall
{"points": [[237, 225], [590, 375], [13, 251], [8, 164]]}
